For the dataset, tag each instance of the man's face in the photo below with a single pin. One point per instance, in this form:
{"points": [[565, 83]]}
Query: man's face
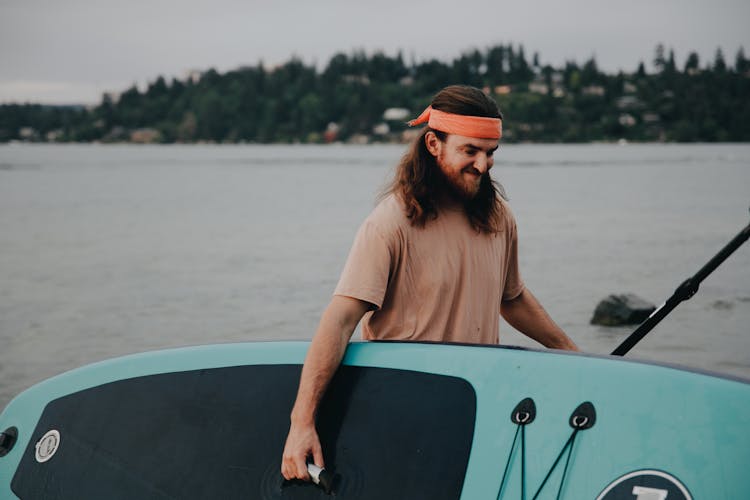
{"points": [[463, 161]]}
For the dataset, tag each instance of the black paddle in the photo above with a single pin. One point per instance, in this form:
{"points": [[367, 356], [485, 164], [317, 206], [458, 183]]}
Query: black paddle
{"points": [[686, 290]]}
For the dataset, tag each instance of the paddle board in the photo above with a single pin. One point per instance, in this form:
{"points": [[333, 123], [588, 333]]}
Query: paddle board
{"points": [[400, 420]]}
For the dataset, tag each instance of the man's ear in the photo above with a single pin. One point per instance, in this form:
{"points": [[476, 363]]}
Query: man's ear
{"points": [[432, 143]]}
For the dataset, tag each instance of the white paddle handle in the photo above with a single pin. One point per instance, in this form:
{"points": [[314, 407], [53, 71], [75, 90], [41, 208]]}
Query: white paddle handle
{"points": [[321, 477], [314, 472]]}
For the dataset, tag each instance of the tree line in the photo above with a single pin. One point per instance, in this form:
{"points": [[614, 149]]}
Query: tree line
{"points": [[348, 98]]}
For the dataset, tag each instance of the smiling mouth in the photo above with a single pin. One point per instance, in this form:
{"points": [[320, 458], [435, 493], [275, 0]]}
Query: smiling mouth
{"points": [[472, 171]]}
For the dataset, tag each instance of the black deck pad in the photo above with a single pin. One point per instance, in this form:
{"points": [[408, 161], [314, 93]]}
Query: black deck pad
{"points": [[219, 434]]}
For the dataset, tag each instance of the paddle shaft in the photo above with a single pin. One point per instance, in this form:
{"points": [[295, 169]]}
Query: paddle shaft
{"points": [[686, 290]]}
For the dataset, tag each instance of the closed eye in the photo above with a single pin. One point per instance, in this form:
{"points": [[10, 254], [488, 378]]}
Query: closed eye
{"points": [[471, 150]]}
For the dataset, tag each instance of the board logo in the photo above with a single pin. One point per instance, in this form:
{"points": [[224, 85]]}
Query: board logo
{"points": [[47, 446], [645, 485]]}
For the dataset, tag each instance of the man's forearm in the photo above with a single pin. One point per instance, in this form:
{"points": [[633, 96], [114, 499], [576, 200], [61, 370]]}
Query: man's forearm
{"points": [[323, 358], [326, 350], [526, 314]]}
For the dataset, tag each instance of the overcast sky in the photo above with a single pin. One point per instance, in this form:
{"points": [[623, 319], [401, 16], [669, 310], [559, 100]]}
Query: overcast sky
{"points": [[70, 51]]}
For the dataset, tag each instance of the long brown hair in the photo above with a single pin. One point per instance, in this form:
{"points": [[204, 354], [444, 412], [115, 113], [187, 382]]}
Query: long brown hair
{"points": [[418, 179]]}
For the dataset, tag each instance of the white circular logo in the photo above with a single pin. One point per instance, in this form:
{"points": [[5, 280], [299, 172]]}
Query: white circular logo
{"points": [[645, 485], [47, 446]]}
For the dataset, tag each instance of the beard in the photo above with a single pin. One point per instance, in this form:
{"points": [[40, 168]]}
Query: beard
{"points": [[456, 186]]}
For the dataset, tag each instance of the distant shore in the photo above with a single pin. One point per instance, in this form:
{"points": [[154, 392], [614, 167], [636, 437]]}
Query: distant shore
{"points": [[361, 99]]}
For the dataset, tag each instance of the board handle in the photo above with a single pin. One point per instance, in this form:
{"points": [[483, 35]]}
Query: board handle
{"points": [[321, 477], [8, 438]]}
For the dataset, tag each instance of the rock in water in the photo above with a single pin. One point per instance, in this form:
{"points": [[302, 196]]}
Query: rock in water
{"points": [[625, 309]]}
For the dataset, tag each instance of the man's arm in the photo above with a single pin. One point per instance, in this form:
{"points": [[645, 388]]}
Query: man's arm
{"points": [[526, 314], [327, 349]]}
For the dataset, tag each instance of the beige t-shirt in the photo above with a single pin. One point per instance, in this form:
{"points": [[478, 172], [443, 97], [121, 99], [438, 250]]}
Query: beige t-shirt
{"points": [[442, 282]]}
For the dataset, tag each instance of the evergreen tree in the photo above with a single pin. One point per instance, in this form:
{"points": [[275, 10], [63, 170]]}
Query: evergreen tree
{"points": [[496, 65], [660, 63], [720, 66], [741, 64], [692, 63], [670, 67]]}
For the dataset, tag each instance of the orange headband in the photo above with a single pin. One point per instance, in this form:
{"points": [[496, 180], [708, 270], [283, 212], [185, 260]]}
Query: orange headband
{"points": [[480, 127]]}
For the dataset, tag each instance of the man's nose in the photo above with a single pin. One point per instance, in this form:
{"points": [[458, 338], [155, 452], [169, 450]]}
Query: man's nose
{"points": [[482, 163]]}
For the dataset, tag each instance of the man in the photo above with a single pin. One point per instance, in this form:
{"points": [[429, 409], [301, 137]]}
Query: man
{"points": [[436, 260]]}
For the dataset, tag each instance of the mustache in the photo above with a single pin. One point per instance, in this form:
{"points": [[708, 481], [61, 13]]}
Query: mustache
{"points": [[471, 170]]}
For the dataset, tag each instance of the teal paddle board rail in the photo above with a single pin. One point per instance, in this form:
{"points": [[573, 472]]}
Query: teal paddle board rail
{"points": [[401, 420]]}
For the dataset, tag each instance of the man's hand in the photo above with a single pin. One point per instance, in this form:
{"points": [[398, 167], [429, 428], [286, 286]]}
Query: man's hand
{"points": [[301, 443]]}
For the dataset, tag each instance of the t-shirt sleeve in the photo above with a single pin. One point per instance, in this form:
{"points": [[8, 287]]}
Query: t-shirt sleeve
{"points": [[366, 272], [513, 283]]}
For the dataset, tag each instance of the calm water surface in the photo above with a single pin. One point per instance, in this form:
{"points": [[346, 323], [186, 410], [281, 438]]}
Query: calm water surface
{"points": [[109, 250]]}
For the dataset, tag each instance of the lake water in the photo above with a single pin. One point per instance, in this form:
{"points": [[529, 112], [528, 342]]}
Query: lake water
{"points": [[109, 250]]}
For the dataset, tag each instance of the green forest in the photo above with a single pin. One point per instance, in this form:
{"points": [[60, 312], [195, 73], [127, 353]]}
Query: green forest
{"points": [[364, 98]]}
